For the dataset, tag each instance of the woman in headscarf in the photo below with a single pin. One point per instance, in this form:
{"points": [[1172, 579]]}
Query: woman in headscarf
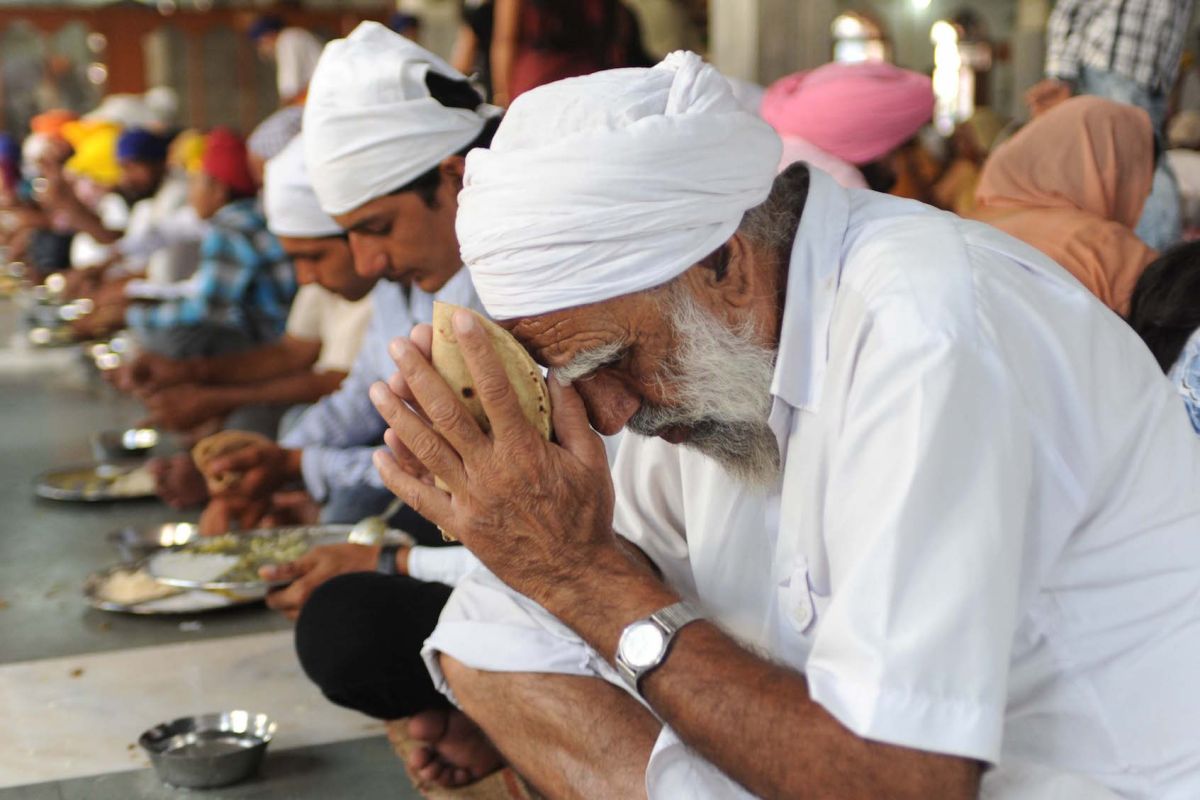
{"points": [[1072, 183]]}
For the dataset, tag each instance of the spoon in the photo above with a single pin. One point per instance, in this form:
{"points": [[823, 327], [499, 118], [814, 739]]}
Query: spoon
{"points": [[370, 530]]}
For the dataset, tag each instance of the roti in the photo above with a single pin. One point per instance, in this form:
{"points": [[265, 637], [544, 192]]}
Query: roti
{"points": [[523, 373], [220, 444]]}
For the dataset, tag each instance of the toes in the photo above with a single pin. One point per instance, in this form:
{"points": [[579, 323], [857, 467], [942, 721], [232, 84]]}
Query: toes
{"points": [[462, 777], [420, 758]]}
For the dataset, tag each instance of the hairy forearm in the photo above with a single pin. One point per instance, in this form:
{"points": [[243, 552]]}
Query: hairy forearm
{"points": [[572, 737], [283, 357], [752, 718], [298, 387]]}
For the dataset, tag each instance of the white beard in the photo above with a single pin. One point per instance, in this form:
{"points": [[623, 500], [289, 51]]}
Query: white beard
{"points": [[722, 379]]}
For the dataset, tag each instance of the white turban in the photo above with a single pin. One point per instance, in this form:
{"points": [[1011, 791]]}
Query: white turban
{"points": [[289, 200], [612, 183], [370, 124]]}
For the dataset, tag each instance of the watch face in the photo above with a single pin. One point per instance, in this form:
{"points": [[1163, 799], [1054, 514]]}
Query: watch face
{"points": [[642, 645]]}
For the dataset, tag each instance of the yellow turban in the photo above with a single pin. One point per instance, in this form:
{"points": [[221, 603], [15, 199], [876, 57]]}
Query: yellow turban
{"points": [[95, 146]]}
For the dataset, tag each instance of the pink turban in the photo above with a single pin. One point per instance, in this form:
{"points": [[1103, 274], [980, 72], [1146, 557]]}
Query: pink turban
{"points": [[856, 112]]}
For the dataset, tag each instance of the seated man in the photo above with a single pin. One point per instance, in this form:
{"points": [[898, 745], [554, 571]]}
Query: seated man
{"points": [[240, 294], [385, 158], [324, 330], [905, 519]]}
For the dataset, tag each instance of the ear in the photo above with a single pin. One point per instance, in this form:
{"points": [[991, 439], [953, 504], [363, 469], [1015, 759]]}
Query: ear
{"points": [[452, 169], [728, 276]]}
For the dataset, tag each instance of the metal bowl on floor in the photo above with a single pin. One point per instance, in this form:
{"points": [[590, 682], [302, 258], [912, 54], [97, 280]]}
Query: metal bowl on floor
{"points": [[208, 750], [134, 544], [125, 443]]}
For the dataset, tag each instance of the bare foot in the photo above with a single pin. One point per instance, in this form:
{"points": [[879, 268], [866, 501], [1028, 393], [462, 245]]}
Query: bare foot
{"points": [[454, 751]]}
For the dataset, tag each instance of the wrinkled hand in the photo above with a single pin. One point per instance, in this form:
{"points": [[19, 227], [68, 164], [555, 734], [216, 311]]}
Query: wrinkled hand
{"points": [[536, 513], [314, 568], [182, 407], [177, 481], [264, 469], [1046, 94]]}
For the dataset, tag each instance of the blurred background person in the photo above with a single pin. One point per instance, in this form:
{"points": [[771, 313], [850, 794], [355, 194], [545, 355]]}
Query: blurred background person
{"points": [[1072, 183], [851, 120], [535, 42], [1130, 53], [294, 52], [1165, 312]]}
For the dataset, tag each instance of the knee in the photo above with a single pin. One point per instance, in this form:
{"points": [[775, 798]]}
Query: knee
{"points": [[334, 637]]}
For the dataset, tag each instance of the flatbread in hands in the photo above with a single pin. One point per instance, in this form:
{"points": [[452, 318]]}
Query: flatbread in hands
{"points": [[523, 372], [210, 448]]}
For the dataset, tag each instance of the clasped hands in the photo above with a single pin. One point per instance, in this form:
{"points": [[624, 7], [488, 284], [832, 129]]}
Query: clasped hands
{"points": [[537, 513]]}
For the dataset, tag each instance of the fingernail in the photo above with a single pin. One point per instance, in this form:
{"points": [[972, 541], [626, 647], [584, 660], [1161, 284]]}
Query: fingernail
{"points": [[397, 347], [464, 321], [378, 392]]}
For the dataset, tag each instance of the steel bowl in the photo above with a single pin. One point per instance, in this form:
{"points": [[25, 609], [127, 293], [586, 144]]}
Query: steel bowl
{"points": [[134, 544], [208, 750], [125, 443]]}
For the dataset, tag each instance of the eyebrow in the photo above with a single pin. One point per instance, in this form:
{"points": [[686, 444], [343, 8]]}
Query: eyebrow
{"points": [[586, 362], [363, 223]]}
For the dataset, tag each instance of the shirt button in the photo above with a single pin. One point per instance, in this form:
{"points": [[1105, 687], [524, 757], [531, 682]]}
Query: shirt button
{"points": [[802, 614]]}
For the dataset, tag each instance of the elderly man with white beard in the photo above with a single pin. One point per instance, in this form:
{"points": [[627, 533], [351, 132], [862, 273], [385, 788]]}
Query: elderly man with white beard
{"points": [[895, 526]]}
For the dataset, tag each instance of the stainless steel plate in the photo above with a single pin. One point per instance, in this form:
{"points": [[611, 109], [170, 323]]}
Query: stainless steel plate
{"points": [[134, 544], [92, 483], [167, 567], [180, 601]]}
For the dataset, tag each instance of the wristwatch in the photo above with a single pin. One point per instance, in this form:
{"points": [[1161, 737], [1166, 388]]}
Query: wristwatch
{"points": [[387, 560], [644, 644]]}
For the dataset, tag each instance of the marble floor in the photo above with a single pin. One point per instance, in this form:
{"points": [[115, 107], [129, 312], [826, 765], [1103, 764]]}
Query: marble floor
{"points": [[77, 685]]}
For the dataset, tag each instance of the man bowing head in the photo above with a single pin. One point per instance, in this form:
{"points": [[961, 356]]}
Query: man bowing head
{"points": [[888, 521]]}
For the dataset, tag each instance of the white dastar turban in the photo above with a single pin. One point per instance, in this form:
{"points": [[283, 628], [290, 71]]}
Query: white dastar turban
{"points": [[370, 124], [289, 200], [599, 186]]}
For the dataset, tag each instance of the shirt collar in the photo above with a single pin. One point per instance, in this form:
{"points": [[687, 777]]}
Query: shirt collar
{"points": [[813, 276]]}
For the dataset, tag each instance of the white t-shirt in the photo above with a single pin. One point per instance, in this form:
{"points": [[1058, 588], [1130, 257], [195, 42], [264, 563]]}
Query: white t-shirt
{"points": [[986, 538], [318, 314]]}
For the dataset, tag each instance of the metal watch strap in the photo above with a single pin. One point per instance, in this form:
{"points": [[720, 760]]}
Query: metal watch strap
{"points": [[386, 564], [674, 617], [669, 620]]}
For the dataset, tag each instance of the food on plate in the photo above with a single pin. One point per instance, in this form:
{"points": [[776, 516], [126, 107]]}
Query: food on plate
{"points": [[132, 586]]}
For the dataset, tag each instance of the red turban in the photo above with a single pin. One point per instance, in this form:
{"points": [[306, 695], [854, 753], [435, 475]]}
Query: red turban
{"points": [[225, 161]]}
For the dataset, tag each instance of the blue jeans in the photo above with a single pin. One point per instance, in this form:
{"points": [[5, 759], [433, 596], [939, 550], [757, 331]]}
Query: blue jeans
{"points": [[1161, 224]]}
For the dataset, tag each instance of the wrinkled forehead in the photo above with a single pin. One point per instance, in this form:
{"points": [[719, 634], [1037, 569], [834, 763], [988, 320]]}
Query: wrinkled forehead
{"points": [[554, 339]]}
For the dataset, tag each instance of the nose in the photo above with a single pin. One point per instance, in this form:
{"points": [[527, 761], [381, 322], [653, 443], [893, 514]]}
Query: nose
{"points": [[370, 258], [610, 404]]}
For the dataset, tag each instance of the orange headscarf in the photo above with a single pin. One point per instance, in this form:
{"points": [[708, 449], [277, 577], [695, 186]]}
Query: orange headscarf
{"points": [[1072, 183]]}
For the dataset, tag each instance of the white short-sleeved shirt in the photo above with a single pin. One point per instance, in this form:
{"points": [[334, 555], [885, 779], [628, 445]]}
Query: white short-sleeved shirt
{"points": [[337, 323], [986, 540], [986, 537]]}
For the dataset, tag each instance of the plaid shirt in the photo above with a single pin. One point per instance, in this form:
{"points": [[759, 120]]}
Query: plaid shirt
{"points": [[1138, 39], [244, 280]]}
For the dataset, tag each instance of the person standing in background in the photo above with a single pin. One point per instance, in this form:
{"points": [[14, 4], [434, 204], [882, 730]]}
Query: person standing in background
{"points": [[294, 52], [540, 41], [473, 47], [1128, 51]]}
